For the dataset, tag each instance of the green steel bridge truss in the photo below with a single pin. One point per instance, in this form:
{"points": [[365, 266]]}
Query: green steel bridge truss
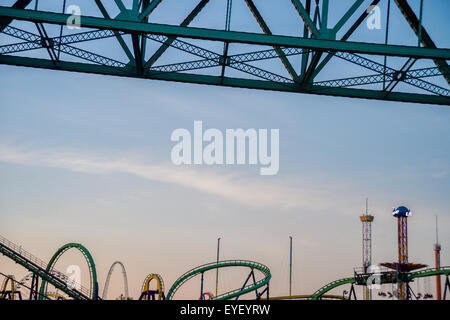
{"points": [[385, 278], [286, 63]]}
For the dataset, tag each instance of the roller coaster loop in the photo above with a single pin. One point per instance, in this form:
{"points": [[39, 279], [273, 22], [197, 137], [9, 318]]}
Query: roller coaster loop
{"points": [[10, 293], [38, 268], [125, 281], [19, 284], [93, 292], [228, 263], [147, 294]]}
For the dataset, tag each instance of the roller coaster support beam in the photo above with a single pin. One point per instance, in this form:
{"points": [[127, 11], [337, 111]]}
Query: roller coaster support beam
{"points": [[34, 289], [246, 281], [254, 281], [447, 287], [96, 297], [352, 292], [12, 295], [201, 288], [410, 293], [148, 295], [260, 294]]}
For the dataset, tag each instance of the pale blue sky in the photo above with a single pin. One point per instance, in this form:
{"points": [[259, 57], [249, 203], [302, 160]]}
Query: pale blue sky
{"points": [[86, 158]]}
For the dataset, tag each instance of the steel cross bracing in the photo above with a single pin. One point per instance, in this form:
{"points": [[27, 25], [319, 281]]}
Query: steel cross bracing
{"points": [[304, 64]]}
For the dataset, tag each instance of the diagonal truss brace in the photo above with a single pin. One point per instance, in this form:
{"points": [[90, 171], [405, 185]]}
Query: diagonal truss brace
{"points": [[283, 46]]}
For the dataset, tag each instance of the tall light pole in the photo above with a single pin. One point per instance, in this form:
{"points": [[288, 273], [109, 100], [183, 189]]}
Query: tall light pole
{"points": [[437, 256], [217, 270], [290, 266]]}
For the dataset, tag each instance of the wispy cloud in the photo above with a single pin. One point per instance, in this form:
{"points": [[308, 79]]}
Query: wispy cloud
{"points": [[441, 174], [242, 188]]}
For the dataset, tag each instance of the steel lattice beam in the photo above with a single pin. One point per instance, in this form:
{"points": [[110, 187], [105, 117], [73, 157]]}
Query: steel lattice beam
{"points": [[267, 31], [425, 37], [228, 82], [132, 30], [228, 36], [379, 78], [381, 69], [169, 41], [19, 4]]}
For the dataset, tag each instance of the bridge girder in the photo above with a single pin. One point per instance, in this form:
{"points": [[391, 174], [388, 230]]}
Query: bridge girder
{"points": [[319, 41]]}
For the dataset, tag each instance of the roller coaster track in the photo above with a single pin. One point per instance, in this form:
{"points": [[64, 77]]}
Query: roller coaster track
{"points": [[125, 281], [319, 293], [19, 285], [55, 295], [223, 264], [429, 272], [38, 267], [93, 291], [306, 296], [25, 278], [146, 293], [406, 277], [8, 278]]}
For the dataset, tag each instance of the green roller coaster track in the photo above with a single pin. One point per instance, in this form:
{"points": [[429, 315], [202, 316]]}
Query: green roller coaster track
{"points": [[337, 283], [222, 264], [384, 278], [38, 267], [93, 293]]}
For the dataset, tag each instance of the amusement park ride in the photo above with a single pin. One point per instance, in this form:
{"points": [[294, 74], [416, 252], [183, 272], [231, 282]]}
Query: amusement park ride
{"points": [[42, 274]]}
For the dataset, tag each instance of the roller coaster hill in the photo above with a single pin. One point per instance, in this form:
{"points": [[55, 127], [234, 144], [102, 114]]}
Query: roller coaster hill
{"points": [[43, 276]]}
